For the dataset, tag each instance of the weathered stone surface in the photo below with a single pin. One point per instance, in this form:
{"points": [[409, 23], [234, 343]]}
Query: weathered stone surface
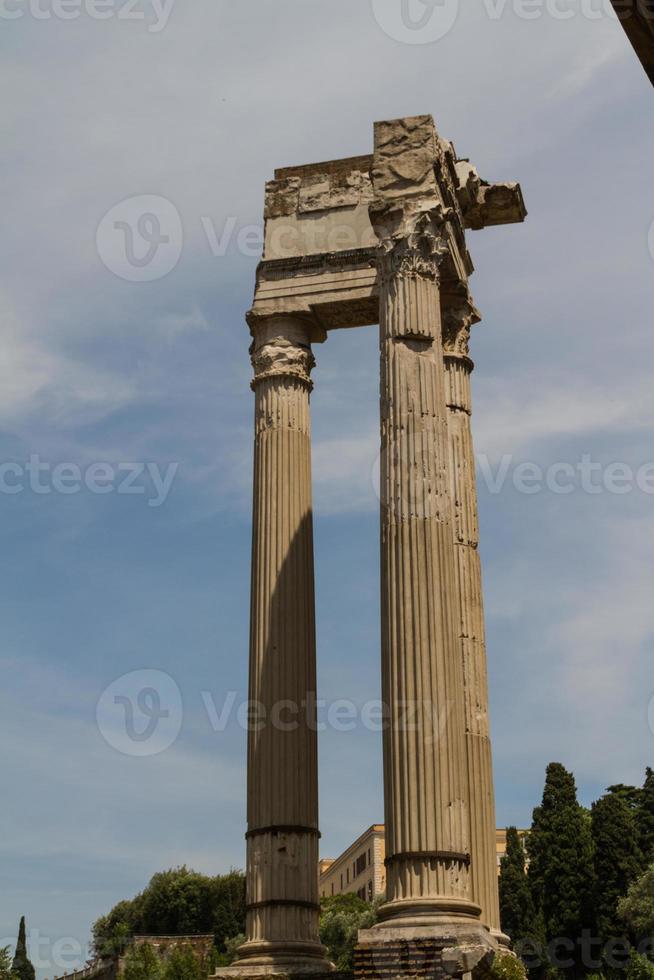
{"points": [[282, 838], [352, 242], [458, 960]]}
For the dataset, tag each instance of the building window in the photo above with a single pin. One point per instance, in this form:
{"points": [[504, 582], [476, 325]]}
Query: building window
{"points": [[360, 864], [370, 891], [347, 876], [341, 882], [332, 887]]}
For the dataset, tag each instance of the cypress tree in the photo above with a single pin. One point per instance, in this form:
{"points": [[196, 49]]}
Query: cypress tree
{"points": [[645, 819], [516, 904], [22, 968], [616, 861], [561, 861], [631, 795]]}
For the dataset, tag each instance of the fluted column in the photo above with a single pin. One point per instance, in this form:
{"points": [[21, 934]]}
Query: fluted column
{"points": [[282, 837], [458, 316], [427, 821]]}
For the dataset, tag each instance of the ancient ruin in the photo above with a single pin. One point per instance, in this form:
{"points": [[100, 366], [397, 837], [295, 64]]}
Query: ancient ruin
{"points": [[381, 240]]}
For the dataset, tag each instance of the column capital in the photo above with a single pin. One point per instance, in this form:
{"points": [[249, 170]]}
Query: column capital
{"points": [[282, 349], [413, 238]]}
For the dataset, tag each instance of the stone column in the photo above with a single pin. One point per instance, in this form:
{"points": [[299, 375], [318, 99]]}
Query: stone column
{"points": [[427, 822], [282, 837], [459, 315]]}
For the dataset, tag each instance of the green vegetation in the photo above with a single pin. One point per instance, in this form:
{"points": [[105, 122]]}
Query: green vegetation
{"points": [[21, 968], [179, 902], [342, 917], [560, 873], [584, 907], [5, 963], [645, 818], [516, 904], [507, 967], [636, 909], [617, 861]]}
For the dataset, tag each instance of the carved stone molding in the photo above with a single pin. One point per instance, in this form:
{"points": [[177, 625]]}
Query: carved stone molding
{"points": [[459, 316], [281, 358], [413, 239]]}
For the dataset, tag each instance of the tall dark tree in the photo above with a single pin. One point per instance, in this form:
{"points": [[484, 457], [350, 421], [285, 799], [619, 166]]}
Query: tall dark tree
{"points": [[645, 818], [22, 968], [617, 861], [631, 795], [516, 904], [561, 861]]}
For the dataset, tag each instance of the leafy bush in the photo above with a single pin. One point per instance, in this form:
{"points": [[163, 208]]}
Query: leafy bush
{"points": [[342, 917], [508, 967]]}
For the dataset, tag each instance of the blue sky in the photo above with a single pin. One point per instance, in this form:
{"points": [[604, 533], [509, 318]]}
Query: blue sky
{"points": [[94, 369]]}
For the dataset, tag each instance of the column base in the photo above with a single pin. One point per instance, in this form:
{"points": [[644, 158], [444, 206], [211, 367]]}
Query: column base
{"points": [[268, 959], [502, 940], [453, 948]]}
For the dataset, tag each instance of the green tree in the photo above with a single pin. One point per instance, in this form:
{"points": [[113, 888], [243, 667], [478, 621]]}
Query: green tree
{"points": [[228, 904], [112, 932], [645, 818], [631, 795], [22, 968], [142, 963], [561, 861], [342, 917], [639, 968], [5, 963], [516, 904], [182, 963], [616, 861], [637, 909], [179, 902]]}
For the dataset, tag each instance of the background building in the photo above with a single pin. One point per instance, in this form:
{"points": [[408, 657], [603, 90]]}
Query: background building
{"points": [[361, 870]]}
